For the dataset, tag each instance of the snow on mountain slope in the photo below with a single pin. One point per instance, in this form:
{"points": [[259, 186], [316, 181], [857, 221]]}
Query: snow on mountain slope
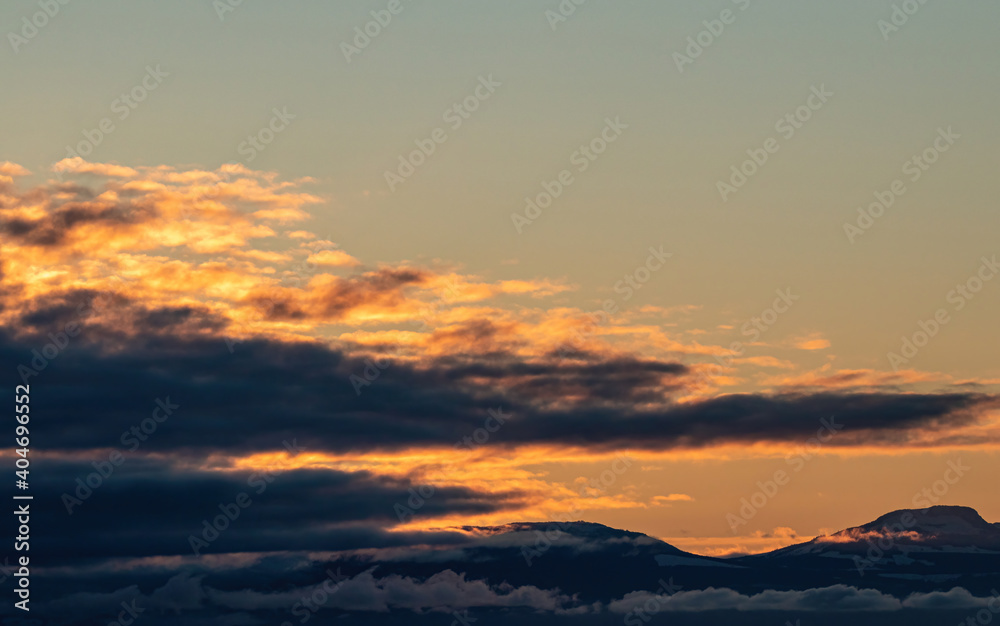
{"points": [[902, 533]]}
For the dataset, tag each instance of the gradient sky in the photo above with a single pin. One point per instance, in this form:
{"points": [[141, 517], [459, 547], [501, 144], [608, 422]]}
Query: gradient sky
{"points": [[442, 250]]}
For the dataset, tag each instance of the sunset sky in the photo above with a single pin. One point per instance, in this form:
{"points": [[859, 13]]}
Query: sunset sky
{"points": [[215, 198]]}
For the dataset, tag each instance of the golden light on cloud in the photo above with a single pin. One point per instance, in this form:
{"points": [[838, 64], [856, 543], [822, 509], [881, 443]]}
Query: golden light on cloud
{"points": [[754, 543], [814, 341], [174, 238], [333, 258], [325, 340]]}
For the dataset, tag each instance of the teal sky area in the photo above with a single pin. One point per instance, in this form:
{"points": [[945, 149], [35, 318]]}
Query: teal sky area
{"points": [[656, 184]]}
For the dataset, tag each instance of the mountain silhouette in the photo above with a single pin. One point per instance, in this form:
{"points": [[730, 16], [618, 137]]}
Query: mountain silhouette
{"points": [[900, 553]]}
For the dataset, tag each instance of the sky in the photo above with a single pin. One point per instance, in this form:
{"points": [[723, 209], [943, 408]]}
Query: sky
{"points": [[367, 243]]}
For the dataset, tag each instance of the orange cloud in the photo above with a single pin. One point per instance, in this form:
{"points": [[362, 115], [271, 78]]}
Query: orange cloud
{"points": [[674, 497], [814, 341], [333, 258], [853, 535], [825, 378], [755, 543], [8, 171], [76, 165]]}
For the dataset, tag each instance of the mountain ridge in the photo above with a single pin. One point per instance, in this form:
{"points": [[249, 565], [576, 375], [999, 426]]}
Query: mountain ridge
{"points": [[902, 526], [901, 531]]}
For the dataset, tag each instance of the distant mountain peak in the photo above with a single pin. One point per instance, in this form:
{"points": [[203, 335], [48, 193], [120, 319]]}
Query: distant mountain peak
{"points": [[941, 528], [935, 521], [570, 534], [591, 530]]}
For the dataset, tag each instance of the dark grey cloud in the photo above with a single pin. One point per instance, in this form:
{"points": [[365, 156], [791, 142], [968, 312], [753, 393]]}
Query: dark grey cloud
{"points": [[834, 598], [266, 391], [145, 507], [76, 212]]}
